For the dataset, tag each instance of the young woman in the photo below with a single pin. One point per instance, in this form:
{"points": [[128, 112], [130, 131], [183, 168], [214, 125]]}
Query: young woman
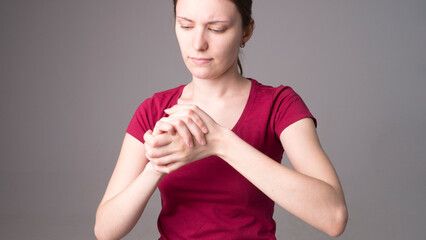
{"points": [[214, 146]]}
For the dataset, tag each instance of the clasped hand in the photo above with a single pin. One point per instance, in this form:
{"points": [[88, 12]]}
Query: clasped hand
{"points": [[186, 135]]}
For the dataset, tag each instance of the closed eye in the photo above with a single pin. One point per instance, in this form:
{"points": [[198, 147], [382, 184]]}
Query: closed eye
{"points": [[217, 30]]}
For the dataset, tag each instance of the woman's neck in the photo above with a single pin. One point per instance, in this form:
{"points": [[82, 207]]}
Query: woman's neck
{"points": [[219, 88]]}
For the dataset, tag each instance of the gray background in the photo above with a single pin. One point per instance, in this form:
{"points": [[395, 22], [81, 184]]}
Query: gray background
{"points": [[73, 72]]}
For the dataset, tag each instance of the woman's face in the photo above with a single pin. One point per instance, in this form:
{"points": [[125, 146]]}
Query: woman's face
{"points": [[209, 33]]}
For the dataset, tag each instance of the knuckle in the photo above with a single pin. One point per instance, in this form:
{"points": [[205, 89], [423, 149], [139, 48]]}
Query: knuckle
{"points": [[179, 122], [199, 123], [152, 154], [190, 112], [200, 136], [146, 135], [148, 143], [167, 118], [186, 118], [168, 128], [181, 148]]}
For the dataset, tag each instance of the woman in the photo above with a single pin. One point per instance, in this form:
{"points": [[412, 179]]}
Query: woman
{"points": [[213, 147]]}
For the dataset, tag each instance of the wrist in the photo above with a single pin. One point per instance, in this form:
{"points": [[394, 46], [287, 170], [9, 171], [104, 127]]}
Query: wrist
{"points": [[150, 171], [223, 142]]}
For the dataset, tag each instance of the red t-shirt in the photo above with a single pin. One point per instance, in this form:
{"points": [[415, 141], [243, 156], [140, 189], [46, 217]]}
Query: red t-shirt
{"points": [[208, 199]]}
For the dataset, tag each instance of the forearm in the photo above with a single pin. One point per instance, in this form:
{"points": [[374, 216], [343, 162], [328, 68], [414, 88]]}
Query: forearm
{"points": [[116, 217], [314, 201]]}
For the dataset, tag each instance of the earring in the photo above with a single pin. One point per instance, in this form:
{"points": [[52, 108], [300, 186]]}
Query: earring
{"points": [[243, 45]]}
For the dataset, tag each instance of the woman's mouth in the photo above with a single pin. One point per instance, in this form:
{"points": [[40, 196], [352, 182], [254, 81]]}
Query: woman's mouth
{"points": [[200, 61]]}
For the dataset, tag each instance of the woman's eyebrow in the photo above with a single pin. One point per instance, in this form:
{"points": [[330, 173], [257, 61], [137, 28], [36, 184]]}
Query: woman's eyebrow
{"points": [[184, 18], [210, 22]]}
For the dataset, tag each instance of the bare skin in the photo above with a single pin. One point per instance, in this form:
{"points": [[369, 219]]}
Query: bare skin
{"points": [[209, 35]]}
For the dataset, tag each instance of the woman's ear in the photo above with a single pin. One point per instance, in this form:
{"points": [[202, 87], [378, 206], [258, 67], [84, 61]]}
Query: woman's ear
{"points": [[248, 32]]}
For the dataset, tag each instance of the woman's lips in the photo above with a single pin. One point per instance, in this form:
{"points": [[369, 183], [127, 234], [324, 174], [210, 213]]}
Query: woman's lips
{"points": [[200, 61]]}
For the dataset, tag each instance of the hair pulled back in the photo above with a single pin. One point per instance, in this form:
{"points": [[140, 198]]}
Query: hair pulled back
{"points": [[244, 8]]}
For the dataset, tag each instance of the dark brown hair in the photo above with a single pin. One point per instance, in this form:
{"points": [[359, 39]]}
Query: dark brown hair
{"points": [[244, 7]]}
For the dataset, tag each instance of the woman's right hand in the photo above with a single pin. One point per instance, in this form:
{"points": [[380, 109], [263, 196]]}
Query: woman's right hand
{"points": [[189, 126], [168, 151]]}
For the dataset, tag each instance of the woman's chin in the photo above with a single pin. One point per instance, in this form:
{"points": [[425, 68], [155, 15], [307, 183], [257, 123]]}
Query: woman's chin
{"points": [[203, 74]]}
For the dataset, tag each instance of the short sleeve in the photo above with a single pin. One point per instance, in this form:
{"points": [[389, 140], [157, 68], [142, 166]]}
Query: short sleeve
{"points": [[151, 110], [290, 108], [141, 121]]}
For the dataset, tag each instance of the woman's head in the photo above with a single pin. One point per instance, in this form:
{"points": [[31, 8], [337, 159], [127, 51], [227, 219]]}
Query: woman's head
{"points": [[210, 33]]}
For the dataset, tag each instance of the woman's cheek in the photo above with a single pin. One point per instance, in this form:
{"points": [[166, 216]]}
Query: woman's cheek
{"points": [[230, 49], [234, 44]]}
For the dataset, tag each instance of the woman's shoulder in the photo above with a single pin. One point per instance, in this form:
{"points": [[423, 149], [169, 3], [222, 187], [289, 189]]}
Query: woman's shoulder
{"points": [[161, 100], [285, 104], [271, 91]]}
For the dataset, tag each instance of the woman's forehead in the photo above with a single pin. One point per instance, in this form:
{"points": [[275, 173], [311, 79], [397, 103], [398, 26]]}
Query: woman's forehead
{"points": [[207, 10]]}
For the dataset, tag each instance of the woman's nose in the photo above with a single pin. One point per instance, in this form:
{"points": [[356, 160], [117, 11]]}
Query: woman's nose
{"points": [[200, 41]]}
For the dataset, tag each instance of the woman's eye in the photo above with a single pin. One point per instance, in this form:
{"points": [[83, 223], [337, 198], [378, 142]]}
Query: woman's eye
{"points": [[186, 27], [217, 30]]}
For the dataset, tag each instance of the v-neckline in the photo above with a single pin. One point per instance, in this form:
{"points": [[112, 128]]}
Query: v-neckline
{"points": [[246, 109]]}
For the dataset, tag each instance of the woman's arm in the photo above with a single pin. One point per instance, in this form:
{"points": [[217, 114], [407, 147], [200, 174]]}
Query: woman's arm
{"points": [[131, 185], [311, 191], [135, 178]]}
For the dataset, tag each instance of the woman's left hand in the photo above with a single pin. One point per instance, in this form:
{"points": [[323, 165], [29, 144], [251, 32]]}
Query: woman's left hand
{"points": [[167, 151]]}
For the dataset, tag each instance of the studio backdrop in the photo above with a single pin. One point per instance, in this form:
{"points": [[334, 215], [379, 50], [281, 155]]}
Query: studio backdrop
{"points": [[72, 73]]}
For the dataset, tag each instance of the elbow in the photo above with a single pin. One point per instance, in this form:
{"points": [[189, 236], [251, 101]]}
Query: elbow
{"points": [[98, 233], [105, 230], [338, 224], [99, 229]]}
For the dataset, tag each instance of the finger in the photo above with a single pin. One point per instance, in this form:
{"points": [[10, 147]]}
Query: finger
{"points": [[183, 131], [163, 169], [179, 107], [157, 168], [160, 140], [190, 111], [147, 136], [193, 111], [164, 160], [155, 154], [168, 168], [163, 126], [194, 129]]}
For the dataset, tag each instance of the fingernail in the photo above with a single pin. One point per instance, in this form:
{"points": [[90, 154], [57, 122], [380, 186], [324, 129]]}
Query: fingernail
{"points": [[204, 129], [190, 144], [203, 142]]}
